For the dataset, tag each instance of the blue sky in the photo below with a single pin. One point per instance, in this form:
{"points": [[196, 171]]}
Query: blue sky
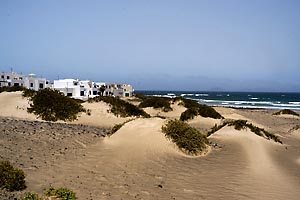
{"points": [[156, 44]]}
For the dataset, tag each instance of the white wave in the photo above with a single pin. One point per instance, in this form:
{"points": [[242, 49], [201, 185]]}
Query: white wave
{"points": [[254, 98], [201, 95], [286, 105], [171, 94], [294, 102]]}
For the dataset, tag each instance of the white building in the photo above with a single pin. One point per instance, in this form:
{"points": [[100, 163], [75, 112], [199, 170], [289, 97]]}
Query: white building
{"points": [[34, 83], [8, 79], [74, 88], [69, 87]]}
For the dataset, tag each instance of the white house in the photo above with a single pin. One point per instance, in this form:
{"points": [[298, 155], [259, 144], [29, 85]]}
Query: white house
{"points": [[35, 83], [8, 79], [74, 88], [69, 87]]}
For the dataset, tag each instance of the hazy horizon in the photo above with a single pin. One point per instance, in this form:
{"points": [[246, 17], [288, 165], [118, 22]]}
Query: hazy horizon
{"points": [[190, 45]]}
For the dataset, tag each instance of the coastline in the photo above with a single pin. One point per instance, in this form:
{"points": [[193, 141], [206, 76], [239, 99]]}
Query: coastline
{"points": [[139, 162]]}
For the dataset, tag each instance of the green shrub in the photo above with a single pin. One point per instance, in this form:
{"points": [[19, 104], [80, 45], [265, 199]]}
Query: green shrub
{"points": [[243, 124], [190, 113], [185, 137], [156, 102], [286, 111], [11, 89], [215, 129], [188, 103], [238, 124], [12, 179], [195, 109], [202, 110], [120, 107], [28, 93], [115, 128], [61, 193], [52, 105], [140, 96], [31, 196]]}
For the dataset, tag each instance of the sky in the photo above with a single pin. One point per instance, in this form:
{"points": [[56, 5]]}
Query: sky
{"points": [[193, 45]]}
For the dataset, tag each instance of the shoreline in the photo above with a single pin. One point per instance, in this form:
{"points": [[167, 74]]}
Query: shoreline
{"points": [[139, 162]]}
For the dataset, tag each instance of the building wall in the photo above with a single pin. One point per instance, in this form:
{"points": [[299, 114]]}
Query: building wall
{"points": [[10, 79]]}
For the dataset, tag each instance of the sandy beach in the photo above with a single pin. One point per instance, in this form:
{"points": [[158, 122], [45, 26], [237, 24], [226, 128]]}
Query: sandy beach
{"points": [[138, 162]]}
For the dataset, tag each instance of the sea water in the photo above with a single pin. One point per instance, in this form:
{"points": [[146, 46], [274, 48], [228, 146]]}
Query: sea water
{"points": [[254, 100]]}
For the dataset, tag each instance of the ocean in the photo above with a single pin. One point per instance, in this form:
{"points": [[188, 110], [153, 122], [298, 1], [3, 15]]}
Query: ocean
{"points": [[251, 100]]}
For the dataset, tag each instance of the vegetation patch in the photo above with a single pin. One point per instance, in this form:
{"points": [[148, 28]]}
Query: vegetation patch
{"points": [[286, 112], [11, 179], [117, 127], [32, 196], [52, 105], [52, 193], [28, 93], [61, 193], [120, 107], [195, 109], [11, 89], [185, 137], [155, 102], [244, 124]]}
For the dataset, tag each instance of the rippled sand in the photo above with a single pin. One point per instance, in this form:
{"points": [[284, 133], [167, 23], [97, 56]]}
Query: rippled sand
{"points": [[138, 162]]}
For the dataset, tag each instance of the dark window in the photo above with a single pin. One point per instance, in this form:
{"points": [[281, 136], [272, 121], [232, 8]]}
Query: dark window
{"points": [[69, 94], [41, 85], [7, 77], [9, 84], [81, 93], [2, 76], [31, 84], [20, 78], [16, 84], [47, 82], [126, 94], [94, 92]]}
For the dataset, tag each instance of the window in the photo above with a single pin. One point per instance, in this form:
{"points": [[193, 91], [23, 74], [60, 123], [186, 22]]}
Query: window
{"points": [[9, 84], [69, 94], [2, 76], [7, 77], [41, 85], [20, 78], [16, 84], [94, 92], [81, 93], [31, 84]]}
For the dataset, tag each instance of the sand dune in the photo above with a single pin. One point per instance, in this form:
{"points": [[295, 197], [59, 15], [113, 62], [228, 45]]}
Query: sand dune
{"points": [[99, 116], [138, 162], [141, 138], [174, 114], [14, 105]]}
